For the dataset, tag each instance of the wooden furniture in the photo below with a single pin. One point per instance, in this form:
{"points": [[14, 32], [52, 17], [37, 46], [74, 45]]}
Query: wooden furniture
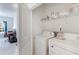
{"points": [[12, 36], [1, 29]]}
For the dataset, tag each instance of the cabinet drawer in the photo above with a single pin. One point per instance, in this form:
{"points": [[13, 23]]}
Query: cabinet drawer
{"points": [[56, 50]]}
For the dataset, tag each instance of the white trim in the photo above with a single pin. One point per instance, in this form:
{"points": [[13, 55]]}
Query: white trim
{"points": [[17, 30]]}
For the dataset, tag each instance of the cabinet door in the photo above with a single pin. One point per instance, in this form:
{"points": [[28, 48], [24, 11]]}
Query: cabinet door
{"points": [[56, 50], [40, 45]]}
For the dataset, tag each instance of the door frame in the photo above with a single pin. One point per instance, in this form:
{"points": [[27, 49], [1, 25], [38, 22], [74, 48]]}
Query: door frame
{"points": [[17, 28]]}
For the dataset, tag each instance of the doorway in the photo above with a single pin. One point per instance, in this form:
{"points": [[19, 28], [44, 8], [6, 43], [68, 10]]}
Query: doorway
{"points": [[8, 29]]}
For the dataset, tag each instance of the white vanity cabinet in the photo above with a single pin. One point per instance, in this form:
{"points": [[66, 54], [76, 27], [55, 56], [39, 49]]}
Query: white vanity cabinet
{"points": [[40, 45], [57, 49]]}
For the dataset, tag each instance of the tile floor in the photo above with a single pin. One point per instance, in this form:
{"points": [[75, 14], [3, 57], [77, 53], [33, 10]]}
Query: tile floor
{"points": [[7, 48]]}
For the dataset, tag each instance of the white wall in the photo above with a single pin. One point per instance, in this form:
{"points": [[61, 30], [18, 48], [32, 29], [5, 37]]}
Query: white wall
{"points": [[24, 30], [39, 47], [9, 22], [68, 24], [37, 14]]}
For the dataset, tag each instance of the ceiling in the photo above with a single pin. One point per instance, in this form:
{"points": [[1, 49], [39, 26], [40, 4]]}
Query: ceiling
{"points": [[7, 9], [35, 5]]}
